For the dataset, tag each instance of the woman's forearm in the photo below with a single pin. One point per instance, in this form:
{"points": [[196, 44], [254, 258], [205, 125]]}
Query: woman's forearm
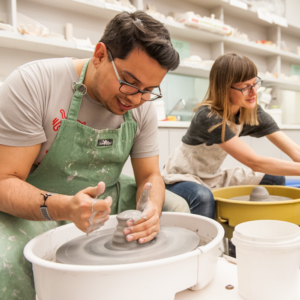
{"points": [[274, 166]]}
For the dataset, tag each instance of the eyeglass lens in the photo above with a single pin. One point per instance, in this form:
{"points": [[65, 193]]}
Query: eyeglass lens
{"points": [[130, 90], [247, 90]]}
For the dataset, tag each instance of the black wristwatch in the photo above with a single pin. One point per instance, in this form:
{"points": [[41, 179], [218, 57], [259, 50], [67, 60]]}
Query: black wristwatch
{"points": [[44, 209]]}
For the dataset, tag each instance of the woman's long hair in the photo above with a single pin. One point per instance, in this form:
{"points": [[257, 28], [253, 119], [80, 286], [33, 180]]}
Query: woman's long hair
{"points": [[227, 70]]}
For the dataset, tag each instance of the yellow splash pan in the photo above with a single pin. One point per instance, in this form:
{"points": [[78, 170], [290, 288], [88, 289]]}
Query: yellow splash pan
{"points": [[233, 212]]}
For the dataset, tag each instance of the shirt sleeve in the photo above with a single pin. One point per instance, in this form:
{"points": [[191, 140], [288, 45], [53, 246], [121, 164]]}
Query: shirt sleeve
{"points": [[146, 140], [199, 130], [21, 117], [266, 126]]}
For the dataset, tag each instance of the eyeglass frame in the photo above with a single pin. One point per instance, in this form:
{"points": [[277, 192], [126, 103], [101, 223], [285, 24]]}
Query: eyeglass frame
{"points": [[126, 83], [247, 87]]}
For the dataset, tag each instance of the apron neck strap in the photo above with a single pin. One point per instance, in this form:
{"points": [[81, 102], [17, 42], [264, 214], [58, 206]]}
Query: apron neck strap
{"points": [[128, 116], [79, 90]]}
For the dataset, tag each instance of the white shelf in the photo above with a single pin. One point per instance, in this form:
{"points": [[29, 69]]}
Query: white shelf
{"points": [[231, 10], [262, 50], [25, 42], [283, 84], [242, 14], [291, 30], [15, 40], [103, 11], [178, 29], [239, 45], [175, 28], [183, 70], [96, 9], [290, 57], [181, 30], [251, 47]]}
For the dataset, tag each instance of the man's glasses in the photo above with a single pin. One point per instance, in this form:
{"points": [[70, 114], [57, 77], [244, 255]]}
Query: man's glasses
{"points": [[247, 90], [149, 94]]}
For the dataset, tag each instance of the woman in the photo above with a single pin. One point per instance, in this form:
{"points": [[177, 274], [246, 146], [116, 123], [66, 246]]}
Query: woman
{"points": [[229, 110]]}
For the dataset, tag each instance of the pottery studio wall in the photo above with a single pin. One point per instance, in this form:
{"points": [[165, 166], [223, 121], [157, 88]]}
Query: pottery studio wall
{"points": [[88, 19]]}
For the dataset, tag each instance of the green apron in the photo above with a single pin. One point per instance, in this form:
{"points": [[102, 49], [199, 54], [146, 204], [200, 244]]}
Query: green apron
{"points": [[79, 157]]}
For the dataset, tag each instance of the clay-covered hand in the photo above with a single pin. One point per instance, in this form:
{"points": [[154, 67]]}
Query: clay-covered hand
{"points": [[147, 226], [87, 212]]}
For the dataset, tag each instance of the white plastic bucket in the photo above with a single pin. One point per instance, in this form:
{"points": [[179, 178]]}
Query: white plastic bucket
{"points": [[268, 259]]}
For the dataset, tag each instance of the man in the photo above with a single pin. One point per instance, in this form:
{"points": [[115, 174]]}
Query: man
{"points": [[67, 126]]}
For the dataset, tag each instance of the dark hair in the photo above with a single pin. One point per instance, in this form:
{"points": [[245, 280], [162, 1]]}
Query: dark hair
{"points": [[127, 31]]}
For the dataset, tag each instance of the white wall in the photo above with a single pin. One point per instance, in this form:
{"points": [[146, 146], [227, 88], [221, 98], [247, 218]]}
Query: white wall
{"points": [[292, 12]]}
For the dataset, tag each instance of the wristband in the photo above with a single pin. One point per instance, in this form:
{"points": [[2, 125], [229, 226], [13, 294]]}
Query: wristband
{"points": [[44, 208]]}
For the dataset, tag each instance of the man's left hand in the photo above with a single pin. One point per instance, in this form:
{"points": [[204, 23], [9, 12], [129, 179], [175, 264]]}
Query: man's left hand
{"points": [[146, 227]]}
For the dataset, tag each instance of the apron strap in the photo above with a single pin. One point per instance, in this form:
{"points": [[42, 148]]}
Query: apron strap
{"points": [[128, 116], [79, 90]]}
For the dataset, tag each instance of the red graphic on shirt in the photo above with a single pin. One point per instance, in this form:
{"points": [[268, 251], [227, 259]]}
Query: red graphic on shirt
{"points": [[56, 122], [63, 114], [83, 123]]}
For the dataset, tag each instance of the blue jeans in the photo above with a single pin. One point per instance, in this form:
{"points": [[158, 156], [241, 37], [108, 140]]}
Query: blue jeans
{"points": [[199, 198], [272, 180]]}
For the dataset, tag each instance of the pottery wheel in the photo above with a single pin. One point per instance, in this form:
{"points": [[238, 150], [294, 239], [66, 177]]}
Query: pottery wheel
{"points": [[110, 247], [96, 249], [260, 194]]}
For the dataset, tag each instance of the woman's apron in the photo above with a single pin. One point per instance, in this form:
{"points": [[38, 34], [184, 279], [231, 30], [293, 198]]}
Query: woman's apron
{"points": [[202, 164], [79, 157]]}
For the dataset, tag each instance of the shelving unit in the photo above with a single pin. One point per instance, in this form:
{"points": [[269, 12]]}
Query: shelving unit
{"points": [[104, 11], [197, 72], [282, 84], [25, 42], [174, 27], [231, 10], [207, 44]]}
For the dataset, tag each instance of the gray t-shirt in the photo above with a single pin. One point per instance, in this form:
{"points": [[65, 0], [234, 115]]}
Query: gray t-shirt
{"points": [[37, 96], [203, 120]]}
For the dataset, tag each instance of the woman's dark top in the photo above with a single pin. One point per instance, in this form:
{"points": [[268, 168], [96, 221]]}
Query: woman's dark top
{"points": [[198, 133]]}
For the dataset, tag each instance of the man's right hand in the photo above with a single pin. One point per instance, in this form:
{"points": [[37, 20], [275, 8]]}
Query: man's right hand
{"points": [[81, 208]]}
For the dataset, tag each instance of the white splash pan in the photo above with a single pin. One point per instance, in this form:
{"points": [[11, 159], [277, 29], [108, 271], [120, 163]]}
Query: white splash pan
{"points": [[158, 279]]}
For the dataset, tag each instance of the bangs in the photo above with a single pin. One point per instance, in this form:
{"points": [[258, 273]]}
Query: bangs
{"points": [[243, 69], [229, 69]]}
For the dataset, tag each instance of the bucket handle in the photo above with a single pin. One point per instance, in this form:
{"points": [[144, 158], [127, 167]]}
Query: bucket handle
{"points": [[222, 220]]}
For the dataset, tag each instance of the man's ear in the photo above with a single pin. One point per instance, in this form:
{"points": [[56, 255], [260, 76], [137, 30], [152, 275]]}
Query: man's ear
{"points": [[100, 54]]}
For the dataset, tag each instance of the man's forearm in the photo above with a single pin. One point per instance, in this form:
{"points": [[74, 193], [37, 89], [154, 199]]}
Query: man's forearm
{"points": [[22, 200], [157, 194]]}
